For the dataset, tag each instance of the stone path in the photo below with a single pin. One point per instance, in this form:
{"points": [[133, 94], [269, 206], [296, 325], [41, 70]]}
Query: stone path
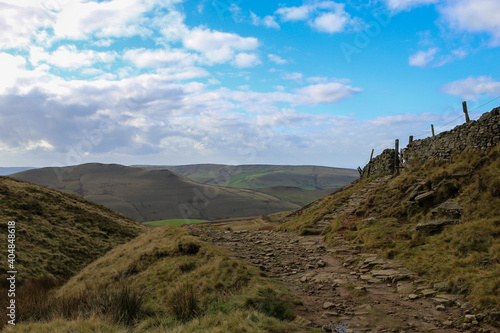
{"points": [[351, 204], [342, 286]]}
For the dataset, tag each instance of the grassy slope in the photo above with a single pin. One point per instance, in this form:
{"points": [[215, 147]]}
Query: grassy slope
{"points": [[149, 195], [296, 195], [162, 223], [466, 256], [185, 285], [263, 176], [57, 234]]}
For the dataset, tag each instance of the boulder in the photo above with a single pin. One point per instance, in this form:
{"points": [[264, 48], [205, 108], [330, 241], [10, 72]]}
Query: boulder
{"points": [[448, 210], [434, 226]]}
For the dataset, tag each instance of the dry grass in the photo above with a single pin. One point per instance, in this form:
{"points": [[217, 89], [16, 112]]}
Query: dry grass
{"points": [[57, 234], [169, 280], [467, 256], [300, 220]]}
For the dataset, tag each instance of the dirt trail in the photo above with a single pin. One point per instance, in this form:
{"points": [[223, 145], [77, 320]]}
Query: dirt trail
{"points": [[342, 286]]}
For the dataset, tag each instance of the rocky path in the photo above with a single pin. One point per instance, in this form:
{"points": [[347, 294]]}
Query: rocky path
{"points": [[344, 288], [350, 206]]}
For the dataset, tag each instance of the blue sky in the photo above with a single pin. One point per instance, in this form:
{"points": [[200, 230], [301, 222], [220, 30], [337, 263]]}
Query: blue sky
{"points": [[238, 82]]}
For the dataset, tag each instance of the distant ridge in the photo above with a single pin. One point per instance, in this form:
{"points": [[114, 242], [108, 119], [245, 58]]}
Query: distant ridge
{"points": [[149, 195], [5, 171], [257, 176]]}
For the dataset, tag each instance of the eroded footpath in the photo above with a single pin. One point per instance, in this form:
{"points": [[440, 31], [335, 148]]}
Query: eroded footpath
{"points": [[342, 287]]}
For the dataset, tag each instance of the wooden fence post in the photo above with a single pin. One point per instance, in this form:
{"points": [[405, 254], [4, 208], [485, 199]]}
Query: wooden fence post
{"points": [[432, 128], [410, 140], [370, 164], [396, 157], [464, 106]]}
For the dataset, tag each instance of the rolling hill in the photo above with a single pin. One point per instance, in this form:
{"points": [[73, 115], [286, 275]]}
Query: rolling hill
{"points": [[259, 176], [57, 234], [149, 195], [300, 185]]}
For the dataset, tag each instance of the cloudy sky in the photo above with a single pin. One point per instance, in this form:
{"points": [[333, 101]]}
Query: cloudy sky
{"points": [[238, 82]]}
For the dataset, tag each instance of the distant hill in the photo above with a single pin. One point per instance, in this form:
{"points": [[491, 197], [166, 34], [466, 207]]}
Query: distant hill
{"points": [[149, 195], [300, 185], [57, 234], [5, 171], [306, 177]]}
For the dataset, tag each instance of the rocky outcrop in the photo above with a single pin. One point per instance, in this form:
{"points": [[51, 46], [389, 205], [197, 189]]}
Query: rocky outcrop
{"points": [[447, 213]]}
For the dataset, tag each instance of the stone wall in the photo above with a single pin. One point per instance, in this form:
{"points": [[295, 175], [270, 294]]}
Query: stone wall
{"points": [[383, 164], [479, 135]]}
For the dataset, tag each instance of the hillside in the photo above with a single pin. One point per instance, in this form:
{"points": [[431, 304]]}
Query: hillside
{"points": [[57, 234], [150, 195], [262, 176], [165, 280], [300, 185], [439, 218]]}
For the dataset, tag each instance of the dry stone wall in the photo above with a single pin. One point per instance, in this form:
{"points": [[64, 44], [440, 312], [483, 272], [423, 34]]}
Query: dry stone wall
{"points": [[383, 164], [479, 135]]}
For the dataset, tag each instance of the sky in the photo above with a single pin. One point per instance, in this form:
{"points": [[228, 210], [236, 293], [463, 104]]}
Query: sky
{"points": [[171, 82]]}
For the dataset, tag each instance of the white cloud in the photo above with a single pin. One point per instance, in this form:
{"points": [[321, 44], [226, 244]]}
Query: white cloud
{"points": [[295, 76], [16, 78], [156, 58], [246, 60], [331, 22], [116, 18], [67, 56], [171, 26], [474, 16], [277, 59], [42, 144], [327, 92], [295, 13], [399, 5], [214, 81], [268, 21], [326, 16], [422, 58], [19, 21], [218, 47], [472, 88]]}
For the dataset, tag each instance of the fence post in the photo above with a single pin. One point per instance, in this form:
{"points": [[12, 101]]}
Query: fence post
{"points": [[410, 139], [369, 164], [432, 128], [464, 106], [396, 157]]}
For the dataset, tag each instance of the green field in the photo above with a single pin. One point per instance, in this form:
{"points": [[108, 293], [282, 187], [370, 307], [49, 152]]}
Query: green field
{"points": [[172, 222]]}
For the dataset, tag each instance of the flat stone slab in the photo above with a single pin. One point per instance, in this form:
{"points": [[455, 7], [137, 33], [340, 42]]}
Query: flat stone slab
{"points": [[428, 292], [384, 272], [424, 196], [435, 226]]}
